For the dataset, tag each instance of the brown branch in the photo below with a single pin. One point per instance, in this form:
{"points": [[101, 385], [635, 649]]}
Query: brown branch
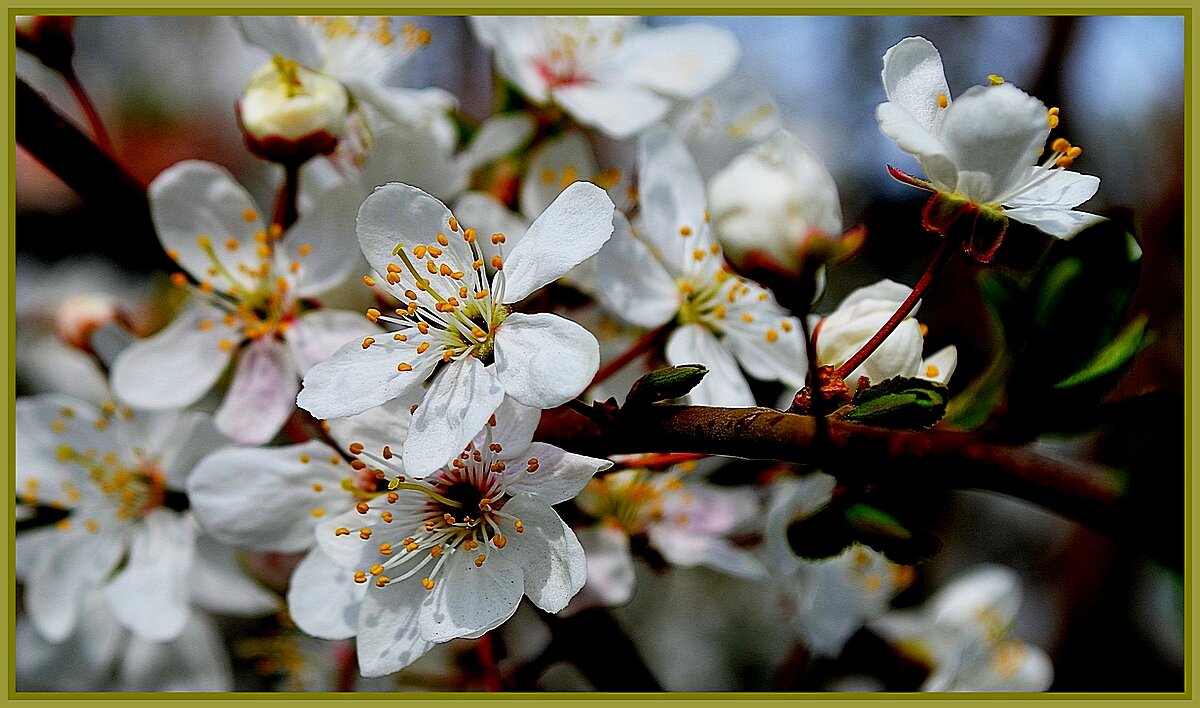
{"points": [[856, 453]]}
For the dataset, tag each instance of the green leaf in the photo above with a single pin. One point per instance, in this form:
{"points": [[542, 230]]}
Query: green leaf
{"points": [[898, 402], [1111, 361], [664, 384]]}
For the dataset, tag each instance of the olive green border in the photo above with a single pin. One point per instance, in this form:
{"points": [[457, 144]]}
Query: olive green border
{"points": [[758, 7]]}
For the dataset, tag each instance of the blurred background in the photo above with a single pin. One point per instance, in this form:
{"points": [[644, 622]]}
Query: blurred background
{"points": [[1109, 616]]}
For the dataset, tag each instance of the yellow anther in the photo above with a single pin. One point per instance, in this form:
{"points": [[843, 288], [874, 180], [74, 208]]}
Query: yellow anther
{"points": [[478, 333], [442, 240], [699, 254], [747, 317], [520, 527], [427, 583], [382, 580], [453, 224], [469, 235], [91, 525], [477, 264], [685, 230], [435, 551], [499, 541], [360, 577], [995, 79], [422, 347], [373, 314], [173, 254], [386, 516], [263, 251], [318, 487], [931, 371], [772, 336], [294, 266], [434, 251], [924, 329], [481, 294], [411, 546], [364, 534], [431, 267], [1074, 152], [942, 100], [305, 459], [367, 342], [356, 448], [368, 281], [334, 460], [445, 270], [1060, 145], [470, 545], [358, 464], [204, 242], [498, 238], [375, 569], [206, 286], [318, 513], [361, 507]]}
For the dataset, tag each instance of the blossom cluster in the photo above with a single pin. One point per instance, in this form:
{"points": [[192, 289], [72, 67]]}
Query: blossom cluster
{"points": [[351, 417]]}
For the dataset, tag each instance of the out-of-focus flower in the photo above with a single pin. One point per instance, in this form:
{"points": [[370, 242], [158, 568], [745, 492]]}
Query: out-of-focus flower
{"points": [[609, 73], [961, 634], [113, 472], [454, 315], [771, 199], [451, 555], [687, 522], [673, 269], [362, 53], [733, 116], [289, 113], [101, 655], [843, 332], [979, 151], [825, 601], [246, 304]]}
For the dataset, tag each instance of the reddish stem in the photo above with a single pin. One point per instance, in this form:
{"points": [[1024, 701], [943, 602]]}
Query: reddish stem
{"points": [[89, 111], [286, 212], [663, 459], [347, 661], [940, 259], [640, 347]]}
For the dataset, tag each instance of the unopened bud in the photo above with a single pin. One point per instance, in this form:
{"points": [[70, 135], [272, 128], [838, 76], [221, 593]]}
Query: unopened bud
{"points": [[289, 113]]}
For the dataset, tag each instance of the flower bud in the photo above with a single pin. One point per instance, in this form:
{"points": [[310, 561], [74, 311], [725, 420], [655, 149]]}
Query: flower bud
{"points": [[289, 113], [770, 199]]}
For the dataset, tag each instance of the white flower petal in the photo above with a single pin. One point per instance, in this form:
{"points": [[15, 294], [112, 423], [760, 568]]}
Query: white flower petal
{"points": [[913, 79], [389, 636], [1057, 188], [382, 425], [469, 598], [499, 135], [547, 552], [687, 549], [636, 287], [940, 366], [319, 241], [280, 35], [414, 157], [1060, 223], [458, 403], [671, 195], [1011, 666], [912, 137], [149, 595], [355, 379], [681, 61], [316, 335], [189, 437], [724, 384], [572, 229], [487, 215], [984, 599], [261, 396], [402, 214], [64, 570], [793, 499], [560, 475], [610, 575], [543, 360], [618, 110], [231, 491], [36, 421], [554, 165], [196, 661], [323, 599], [175, 367], [220, 584], [191, 199], [515, 426], [997, 132]]}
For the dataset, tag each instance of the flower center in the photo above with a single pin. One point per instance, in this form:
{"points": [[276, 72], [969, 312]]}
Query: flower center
{"points": [[260, 299], [449, 308], [574, 46]]}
